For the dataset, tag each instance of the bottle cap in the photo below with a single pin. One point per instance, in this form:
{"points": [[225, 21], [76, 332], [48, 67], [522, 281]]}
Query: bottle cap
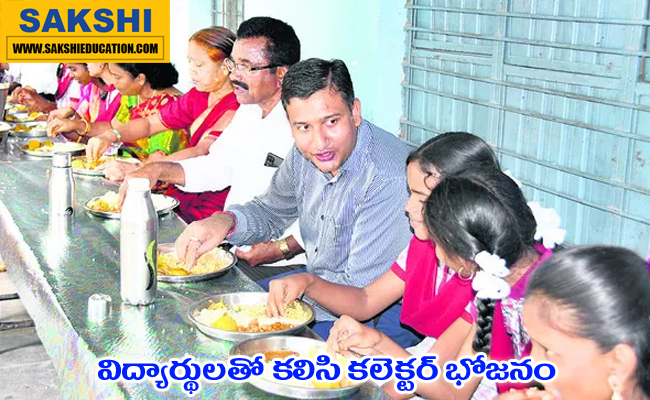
{"points": [[139, 184], [99, 307], [61, 160]]}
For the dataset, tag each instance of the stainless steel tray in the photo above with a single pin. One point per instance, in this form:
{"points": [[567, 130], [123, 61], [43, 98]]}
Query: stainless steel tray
{"points": [[169, 247], [300, 345], [88, 172], [20, 116], [115, 215], [72, 148], [4, 127], [92, 172], [243, 298], [39, 130]]}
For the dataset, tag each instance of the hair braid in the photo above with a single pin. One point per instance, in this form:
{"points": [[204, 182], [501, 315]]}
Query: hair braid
{"points": [[484, 318]]}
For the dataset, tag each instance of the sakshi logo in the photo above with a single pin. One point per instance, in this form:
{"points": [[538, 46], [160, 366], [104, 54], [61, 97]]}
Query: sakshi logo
{"points": [[82, 31], [103, 17]]}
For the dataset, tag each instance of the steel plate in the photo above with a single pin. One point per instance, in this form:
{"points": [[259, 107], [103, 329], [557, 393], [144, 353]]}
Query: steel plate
{"points": [[58, 147], [299, 345], [169, 247], [39, 130], [241, 298], [114, 215]]}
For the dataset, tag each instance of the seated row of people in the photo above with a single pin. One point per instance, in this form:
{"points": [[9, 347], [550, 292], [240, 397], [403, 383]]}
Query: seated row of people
{"points": [[308, 176]]}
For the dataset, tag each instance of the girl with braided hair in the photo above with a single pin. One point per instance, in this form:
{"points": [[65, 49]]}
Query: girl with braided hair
{"points": [[484, 230]]}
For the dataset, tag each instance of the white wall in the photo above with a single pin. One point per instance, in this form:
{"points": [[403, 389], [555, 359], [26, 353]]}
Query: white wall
{"points": [[186, 17], [366, 34]]}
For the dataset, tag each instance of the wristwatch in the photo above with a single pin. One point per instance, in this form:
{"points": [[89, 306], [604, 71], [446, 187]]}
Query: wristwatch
{"points": [[284, 247]]}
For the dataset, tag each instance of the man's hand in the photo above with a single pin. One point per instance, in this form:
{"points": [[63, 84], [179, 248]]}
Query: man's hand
{"points": [[151, 172], [285, 290], [117, 170], [202, 236], [261, 253], [97, 146]]}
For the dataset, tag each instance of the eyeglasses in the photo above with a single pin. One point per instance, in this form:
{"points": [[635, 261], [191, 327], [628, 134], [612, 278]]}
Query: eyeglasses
{"points": [[232, 66]]}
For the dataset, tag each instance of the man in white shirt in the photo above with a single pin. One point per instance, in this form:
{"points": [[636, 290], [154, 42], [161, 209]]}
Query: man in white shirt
{"points": [[250, 149]]}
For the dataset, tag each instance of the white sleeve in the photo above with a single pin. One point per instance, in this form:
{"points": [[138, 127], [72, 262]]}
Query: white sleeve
{"points": [[401, 259], [212, 171], [294, 230]]}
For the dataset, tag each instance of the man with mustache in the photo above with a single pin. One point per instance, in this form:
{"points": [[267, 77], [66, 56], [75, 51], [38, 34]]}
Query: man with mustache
{"points": [[265, 48], [345, 180]]}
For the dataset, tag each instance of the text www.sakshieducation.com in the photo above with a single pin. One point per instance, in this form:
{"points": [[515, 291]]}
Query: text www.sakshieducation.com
{"points": [[85, 48]]}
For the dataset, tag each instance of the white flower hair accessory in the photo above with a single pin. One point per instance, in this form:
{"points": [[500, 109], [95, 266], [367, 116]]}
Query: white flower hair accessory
{"points": [[511, 176], [488, 282], [548, 225]]}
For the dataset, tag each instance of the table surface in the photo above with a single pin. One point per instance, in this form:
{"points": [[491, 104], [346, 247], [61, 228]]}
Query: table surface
{"points": [[55, 273]]}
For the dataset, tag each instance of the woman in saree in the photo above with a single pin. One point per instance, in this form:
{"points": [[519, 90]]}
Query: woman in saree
{"points": [[205, 110], [95, 105], [145, 88]]}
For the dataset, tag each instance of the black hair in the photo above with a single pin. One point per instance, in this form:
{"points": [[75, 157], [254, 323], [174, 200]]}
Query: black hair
{"points": [[607, 291], [159, 75], [452, 153], [310, 76], [283, 46], [480, 210]]}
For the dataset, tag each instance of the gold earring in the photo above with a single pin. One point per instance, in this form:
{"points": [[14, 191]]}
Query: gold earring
{"points": [[614, 383]]}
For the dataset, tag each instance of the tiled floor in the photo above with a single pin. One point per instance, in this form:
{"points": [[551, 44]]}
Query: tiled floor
{"points": [[26, 372]]}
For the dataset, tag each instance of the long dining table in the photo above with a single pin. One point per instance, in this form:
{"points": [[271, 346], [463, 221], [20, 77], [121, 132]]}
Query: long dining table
{"points": [[55, 272]]}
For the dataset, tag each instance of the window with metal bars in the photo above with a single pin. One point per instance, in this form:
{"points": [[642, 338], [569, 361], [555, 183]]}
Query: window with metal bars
{"points": [[553, 86], [228, 13]]}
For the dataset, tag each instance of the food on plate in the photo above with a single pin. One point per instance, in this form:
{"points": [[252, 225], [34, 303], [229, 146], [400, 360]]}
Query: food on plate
{"points": [[107, 203], [47, 146], [87, 164], [23, 118], [28, 128], [252, 318], [35, 145], [14, 108], [281, 354], [213, 261]]}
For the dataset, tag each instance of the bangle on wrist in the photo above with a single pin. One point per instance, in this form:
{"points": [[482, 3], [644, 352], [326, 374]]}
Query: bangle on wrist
{"points": [[284, 248], [117, 134], [86, 127]]}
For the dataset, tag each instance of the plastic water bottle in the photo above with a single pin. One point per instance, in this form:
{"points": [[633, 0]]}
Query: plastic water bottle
{"points": [[138, 245], [61, 192]]}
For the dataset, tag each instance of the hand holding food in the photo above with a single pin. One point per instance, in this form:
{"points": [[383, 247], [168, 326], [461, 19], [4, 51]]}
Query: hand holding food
{"points": [[285, 290], [97, 146], [202, 236], [251, 318], [118, 170]]}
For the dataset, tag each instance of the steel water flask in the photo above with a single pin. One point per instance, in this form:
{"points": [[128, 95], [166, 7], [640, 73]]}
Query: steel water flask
{"points": [[138, 245], [61, 192]]}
